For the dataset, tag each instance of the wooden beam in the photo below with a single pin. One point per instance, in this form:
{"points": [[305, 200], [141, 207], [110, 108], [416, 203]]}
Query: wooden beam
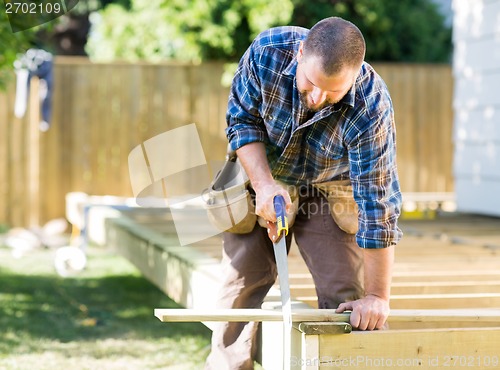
{"points": [[321, 315], [415, 349], [446, 315], [427, 301], [246, 314]]}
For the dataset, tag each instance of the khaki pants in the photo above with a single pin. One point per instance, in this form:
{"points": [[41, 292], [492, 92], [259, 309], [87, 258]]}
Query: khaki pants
{"points": [[331, 254]]}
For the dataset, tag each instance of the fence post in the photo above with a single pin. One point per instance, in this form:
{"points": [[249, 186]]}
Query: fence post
{"points": [[33, 154]]}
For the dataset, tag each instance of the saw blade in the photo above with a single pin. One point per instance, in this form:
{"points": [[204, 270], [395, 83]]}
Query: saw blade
{"points": [[280, 253]]}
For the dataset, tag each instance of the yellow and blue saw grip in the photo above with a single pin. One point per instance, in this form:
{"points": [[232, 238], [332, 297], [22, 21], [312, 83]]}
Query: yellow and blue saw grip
{"points": [[281, 219]]}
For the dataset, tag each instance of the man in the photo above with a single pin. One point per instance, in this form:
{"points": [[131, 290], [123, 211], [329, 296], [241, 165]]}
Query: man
{"points": [[306, 110]]}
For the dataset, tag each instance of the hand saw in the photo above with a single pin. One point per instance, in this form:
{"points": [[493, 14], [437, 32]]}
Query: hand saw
{"points": [[280, 254]]}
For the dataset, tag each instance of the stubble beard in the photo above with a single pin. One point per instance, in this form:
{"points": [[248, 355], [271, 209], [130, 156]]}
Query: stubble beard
{"points": [[304, 102]]}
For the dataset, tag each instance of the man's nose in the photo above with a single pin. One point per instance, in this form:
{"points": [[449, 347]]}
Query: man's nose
{"points": [[318, 95]]}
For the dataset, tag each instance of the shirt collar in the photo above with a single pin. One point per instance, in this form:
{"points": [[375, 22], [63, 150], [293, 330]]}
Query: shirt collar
{"points": [[349, 98], [291, 68]]}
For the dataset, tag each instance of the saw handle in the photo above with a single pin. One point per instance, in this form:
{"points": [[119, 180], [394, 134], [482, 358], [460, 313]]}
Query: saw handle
{"points": [[281, 219]]}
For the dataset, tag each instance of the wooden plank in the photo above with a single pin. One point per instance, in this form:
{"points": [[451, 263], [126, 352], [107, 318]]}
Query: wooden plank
{"points": [[18, 205], [33, 153], [246, 314], [429, 196], [50, 160], [4, 157], [464, 274], [446, 126], [425, 159], [324, 315], [449, 301], [430, 301], [422, 349], [399, 80], [450, 287], [82, 116], [302, 276], [415, 288]]}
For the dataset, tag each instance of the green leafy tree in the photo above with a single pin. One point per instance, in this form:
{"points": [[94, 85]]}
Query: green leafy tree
{"points": [[192, 30], [11, 44], [395, 30]]}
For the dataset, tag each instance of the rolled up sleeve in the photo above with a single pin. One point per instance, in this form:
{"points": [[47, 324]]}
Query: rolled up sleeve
{"points": [[243, 118], [374, 176]]}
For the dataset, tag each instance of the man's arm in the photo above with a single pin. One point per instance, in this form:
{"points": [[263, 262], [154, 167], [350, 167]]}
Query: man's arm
{"points": [[254, 160], [372, 311]]}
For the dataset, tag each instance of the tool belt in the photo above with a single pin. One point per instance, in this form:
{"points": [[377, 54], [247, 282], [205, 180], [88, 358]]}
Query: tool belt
{"points": [[231, 205], [343, 207]]}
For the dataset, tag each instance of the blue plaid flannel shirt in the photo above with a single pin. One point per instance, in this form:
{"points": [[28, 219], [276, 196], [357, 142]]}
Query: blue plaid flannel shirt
{"points": [[354, 138]]}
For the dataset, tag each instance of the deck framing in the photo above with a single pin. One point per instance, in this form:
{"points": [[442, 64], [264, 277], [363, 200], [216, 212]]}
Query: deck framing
{"points": [[445, 287]]}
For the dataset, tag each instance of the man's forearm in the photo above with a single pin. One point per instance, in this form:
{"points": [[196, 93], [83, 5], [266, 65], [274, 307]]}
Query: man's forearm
{"points": [[378, 264], [254, 160]]}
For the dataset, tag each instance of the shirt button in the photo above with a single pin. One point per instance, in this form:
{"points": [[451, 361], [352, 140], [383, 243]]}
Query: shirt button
{"points": [[323, 148], [270, 118]]}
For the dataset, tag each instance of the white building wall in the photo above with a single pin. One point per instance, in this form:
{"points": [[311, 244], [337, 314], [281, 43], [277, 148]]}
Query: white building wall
{"points": [[476, 68]]}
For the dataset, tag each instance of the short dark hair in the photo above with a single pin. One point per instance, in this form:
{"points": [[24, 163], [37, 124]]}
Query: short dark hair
{"points": [[337, 43]]}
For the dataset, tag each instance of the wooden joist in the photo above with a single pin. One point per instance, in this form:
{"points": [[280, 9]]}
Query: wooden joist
{"points": [[415, 288], [323, 315], [429, 301], [428, 349]]}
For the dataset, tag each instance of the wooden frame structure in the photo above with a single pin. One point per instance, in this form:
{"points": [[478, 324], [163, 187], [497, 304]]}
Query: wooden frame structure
{"points": [[320, 340], [445, 295]]}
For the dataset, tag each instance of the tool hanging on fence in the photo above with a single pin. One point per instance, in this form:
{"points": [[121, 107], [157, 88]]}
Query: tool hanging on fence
{"points": [[35, 62]]}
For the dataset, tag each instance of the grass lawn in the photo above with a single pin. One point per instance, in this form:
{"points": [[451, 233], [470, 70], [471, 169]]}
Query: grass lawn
{"points": [[101, 319]]}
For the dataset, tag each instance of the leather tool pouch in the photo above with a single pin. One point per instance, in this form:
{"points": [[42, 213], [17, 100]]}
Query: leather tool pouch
{"points": [[230, 206], [343, 207]]}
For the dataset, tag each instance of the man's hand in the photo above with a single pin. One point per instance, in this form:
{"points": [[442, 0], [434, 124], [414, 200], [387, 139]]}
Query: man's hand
{"points": [[372, 311], [368, 313], [264, 200], [254, 160], [264, 207]]}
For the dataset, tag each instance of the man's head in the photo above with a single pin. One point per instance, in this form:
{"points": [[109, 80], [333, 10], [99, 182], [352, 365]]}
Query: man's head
{"points": [[329, 61]]}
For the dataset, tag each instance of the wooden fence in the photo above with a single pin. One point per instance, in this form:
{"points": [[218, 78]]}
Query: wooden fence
{"points": [[102, 111]]}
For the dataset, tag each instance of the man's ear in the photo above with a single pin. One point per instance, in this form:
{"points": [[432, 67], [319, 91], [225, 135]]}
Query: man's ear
{"points": [[300, 53]]}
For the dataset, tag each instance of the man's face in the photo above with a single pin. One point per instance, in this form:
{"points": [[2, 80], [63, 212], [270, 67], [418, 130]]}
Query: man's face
{"points": [[318, 90]]}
